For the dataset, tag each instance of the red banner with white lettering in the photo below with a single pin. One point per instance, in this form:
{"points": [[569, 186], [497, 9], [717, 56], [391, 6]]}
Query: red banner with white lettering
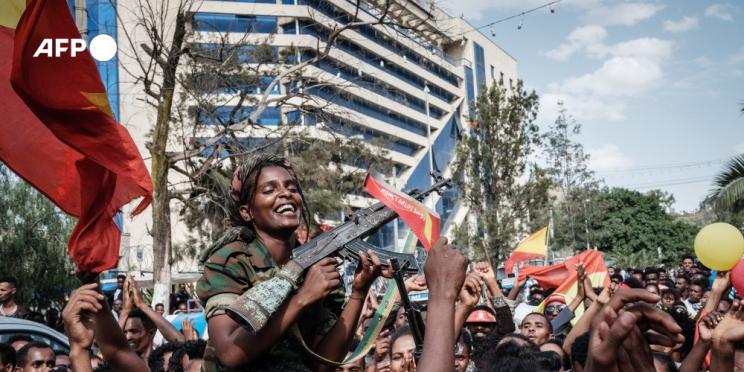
{"points": [[423, 222]]}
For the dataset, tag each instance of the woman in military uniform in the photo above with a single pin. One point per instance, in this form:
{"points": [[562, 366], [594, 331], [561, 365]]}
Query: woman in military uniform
{"points": [[265, 207]]}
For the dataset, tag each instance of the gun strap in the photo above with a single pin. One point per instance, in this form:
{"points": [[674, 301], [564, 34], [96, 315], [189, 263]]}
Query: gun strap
{"points": [[378, 319]]}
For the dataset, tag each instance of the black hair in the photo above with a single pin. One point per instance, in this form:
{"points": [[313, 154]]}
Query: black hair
{"points": [[9, 279], [667, 282], [617, 277], [688, 256], [526, 362], [121, 276], [547, 322], [466, 338], [548, 360], [156, 361], [662, 270], [247, 175], [666, 361], [683, 277], [529, 346], [673, 291], [633, 283], [19, 337], [683, 320], [482, 349], [701, 283], [650, 270], [146, 321], [580, 349], [400, 332], [7, 354], [22, 354], [61, 352], [566, 360], [194, 350], [652, 285], [511, 356]]}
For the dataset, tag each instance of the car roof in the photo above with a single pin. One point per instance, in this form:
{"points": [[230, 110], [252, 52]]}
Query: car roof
{"points": [[15, 325]]}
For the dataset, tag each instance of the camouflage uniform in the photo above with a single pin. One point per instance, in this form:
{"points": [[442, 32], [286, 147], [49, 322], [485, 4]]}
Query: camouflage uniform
{"points": [[234, 268]]}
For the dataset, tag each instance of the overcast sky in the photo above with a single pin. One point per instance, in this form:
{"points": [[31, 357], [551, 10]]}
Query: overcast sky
{"points": [[656, 85]]}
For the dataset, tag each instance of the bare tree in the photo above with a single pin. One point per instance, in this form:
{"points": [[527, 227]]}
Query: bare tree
{"points": [[210, 92]]}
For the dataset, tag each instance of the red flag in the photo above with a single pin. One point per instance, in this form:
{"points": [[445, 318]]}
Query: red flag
{"points": [[422, 221], [564, 278], [58, 132], [558, 275]]}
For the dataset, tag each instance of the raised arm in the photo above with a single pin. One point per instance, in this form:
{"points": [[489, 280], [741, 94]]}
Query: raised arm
{"points": [[88, 316], [128, 303], [514, 292], [504, 320], [169, 332], [335, 344], [581, 291], [730, 330], [584, 323], [445, 273], [721, 286], [78, 327], [695, 358], [469, 297]]}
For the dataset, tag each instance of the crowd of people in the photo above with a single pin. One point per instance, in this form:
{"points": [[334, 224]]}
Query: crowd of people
{"points": [[653, 319]]}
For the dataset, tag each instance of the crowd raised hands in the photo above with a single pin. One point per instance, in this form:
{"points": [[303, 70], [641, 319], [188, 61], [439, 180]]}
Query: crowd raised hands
{"points": [[471, 325]]}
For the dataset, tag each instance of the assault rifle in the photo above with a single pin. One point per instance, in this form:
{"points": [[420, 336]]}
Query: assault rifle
{"points": [[254, 307]]}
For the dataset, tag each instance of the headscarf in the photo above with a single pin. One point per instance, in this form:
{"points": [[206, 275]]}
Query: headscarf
{"points": [[242, 189]]}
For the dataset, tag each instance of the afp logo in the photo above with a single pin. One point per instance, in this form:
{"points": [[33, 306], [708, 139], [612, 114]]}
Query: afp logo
{"points": [[102, 47]]}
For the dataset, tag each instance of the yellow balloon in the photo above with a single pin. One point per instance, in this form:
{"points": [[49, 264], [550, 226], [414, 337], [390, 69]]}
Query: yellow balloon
{"points": [[719, 246]]}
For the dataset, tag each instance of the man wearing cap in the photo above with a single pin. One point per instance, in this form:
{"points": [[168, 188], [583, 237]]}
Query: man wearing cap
{"points": [[481, 322], [558, 313]]}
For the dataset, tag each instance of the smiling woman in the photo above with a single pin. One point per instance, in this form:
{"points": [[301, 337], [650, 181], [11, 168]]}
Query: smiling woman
{"points": [[266, 206]]}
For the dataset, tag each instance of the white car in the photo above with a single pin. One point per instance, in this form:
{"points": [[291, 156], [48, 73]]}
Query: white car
{"points": [[10, 327]]}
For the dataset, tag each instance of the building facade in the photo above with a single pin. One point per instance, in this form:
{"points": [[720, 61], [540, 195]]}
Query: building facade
{"points": [[407, 84]]}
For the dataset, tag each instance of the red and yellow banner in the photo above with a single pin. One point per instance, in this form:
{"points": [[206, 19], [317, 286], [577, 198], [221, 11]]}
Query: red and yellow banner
{"points": [[534, 246], [58, 133], [423, 222], [564, 278]]}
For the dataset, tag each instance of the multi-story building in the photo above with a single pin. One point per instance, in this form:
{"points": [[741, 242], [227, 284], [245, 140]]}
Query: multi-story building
{"points": [[408, 83]]}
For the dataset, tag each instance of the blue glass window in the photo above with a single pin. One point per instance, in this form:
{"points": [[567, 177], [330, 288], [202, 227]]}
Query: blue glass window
{"points": [[253, 1], [217, 22], [370, 109], [373, 60], [370, 83], [480, 67], [102, 20], [272, 116], [469, 90]]}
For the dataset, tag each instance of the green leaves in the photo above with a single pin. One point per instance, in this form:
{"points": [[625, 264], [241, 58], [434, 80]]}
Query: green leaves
{"points": [[33, 244], [728, 192], [497, 182]]}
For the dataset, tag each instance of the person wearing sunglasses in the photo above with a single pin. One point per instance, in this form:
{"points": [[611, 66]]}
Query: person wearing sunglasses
{"points": [[558, 313]]}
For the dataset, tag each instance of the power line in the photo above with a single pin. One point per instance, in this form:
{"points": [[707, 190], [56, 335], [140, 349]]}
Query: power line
{"points": [[522, 14], [671, 182], [677, 166]]}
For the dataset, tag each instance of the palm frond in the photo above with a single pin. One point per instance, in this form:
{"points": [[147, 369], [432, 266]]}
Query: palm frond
{"points": [[729, 184]]}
